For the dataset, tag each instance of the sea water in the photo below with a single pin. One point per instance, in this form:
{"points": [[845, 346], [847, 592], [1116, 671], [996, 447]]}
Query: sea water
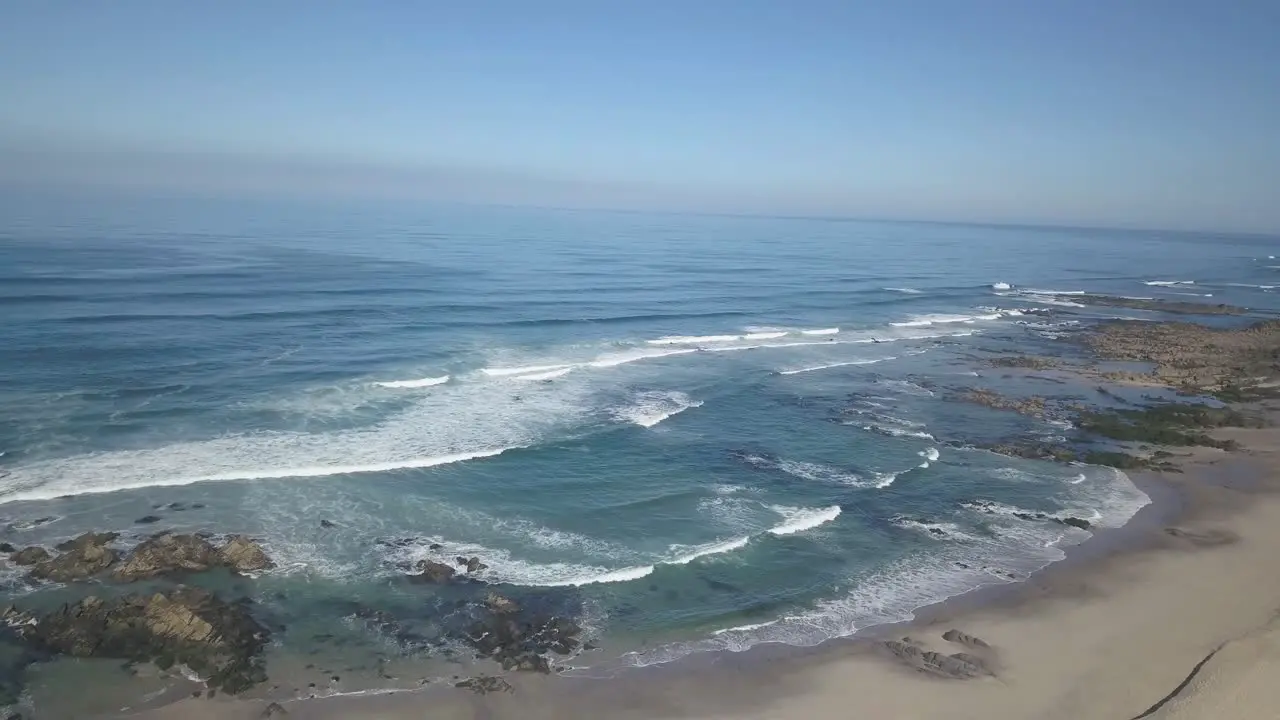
{"points": [[701, 432]]}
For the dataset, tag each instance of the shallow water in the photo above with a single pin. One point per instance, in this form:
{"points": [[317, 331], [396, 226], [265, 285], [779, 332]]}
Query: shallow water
{"points": [[690, 432]]}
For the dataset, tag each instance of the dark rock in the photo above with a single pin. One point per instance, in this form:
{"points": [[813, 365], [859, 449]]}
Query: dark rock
{"points": [[197, 506], [89, 539], [435, 546], [30, 556], [501, 605], [961, 638], [1077, 522], [7, 548], [177, 506], [472, 564], [484, 684], [216, 639], [147, 520], [167, 553], [274, 710], [244, 555], [959, 666], [433, 572], [82, 558], [328, 524]]}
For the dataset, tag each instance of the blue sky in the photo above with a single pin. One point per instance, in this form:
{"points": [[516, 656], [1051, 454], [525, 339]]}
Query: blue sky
{"points": [[1156, 113]]}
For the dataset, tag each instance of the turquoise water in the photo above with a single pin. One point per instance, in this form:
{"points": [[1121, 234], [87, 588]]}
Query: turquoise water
{"points": [[690, 432]]}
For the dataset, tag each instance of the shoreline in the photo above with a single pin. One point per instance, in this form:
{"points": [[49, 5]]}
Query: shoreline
{"points": [[1123, 619]]}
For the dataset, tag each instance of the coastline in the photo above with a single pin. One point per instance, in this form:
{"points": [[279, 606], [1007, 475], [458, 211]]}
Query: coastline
{"points": [[1113, 630]]}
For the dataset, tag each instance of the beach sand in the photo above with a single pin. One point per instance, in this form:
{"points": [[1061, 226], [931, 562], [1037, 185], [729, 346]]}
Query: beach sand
{"points": [[1121, 630]]}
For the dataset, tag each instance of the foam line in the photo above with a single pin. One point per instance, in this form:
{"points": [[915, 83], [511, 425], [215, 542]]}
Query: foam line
{"points": [[801, 519], [424, 382]]}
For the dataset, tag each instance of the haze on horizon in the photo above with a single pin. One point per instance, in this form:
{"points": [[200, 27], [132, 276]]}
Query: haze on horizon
{"points": [[1144, 113]]}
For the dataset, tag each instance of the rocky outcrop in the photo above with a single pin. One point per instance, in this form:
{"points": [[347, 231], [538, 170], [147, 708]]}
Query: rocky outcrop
{"points": [[244, 555], [219, 641], [965, 639], [501, 604], [485, 684], [431, 571], [990, 509], [1233, 363], [520, 643], [30, 556], [472, 564], [1173, 307], [81, 558], [167, 554], [960, 666], [1031, 406]]}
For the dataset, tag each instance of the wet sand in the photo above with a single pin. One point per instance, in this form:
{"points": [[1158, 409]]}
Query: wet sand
{"points": [[1173, 616]]}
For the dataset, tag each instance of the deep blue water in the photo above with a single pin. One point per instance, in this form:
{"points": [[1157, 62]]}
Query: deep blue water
{"points": [[715, 431]]}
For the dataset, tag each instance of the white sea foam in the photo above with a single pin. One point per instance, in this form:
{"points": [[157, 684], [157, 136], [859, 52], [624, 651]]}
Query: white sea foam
{"points": [[820, 473], [694, 339], [651, 408], [770, 335], [945, 319], [935, 530], [744, 628], [1169, 283], [801, 519], [892, 594], [1255, 287], [510, 371], [821, 331], [421, 383], [1001, 286], [685, 554], [906, 387], [930, 455], [892, 431], [548, 375], [453, 423], [829, 366], [636, 355], [906, 290]]}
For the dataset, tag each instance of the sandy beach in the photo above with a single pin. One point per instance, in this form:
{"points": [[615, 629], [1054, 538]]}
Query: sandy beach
{"points": [[1174, 616]]}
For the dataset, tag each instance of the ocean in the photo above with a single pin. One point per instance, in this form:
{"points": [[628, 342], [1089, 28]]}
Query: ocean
{"points": [[690, 433]]}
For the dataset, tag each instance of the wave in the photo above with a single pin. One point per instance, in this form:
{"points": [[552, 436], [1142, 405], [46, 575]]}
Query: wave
{"points": [[511, 371], [935, 530], [821, 331], [693, 339], [548, 375], [1255, 287], [945, 319], [769, 335], [895, 592], [892, 431], [801, 519], [686, 554], [744, 628], [424, 382], [905, 290], [1001, 286], [820, 473], [630, 356], [869, 361], [930, 456], [1169, 283], [652, 408], [70, 486]]}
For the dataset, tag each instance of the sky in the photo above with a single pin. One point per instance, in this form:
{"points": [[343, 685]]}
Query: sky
{"points": [[1132, 113]]}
